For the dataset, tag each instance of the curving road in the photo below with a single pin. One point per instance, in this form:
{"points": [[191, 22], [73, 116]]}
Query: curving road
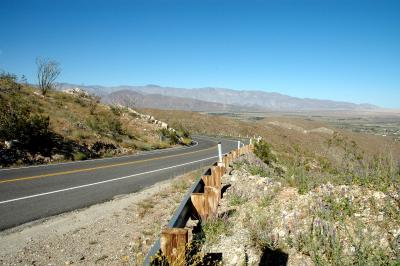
{"points": [[30, 193]]}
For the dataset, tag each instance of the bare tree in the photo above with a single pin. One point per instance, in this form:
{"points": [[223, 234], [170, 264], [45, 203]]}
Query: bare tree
{"points": [[47, 72]]}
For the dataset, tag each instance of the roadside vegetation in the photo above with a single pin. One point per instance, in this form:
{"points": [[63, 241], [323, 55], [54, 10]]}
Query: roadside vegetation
{"points": [[310, 195], [299, 210], [41, 125]]}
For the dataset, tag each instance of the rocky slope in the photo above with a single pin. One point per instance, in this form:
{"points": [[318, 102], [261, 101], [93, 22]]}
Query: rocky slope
{"points": [[73, 125], [262, 219]]}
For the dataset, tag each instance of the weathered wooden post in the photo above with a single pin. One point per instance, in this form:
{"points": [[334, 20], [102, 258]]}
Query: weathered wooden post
{"points": [[230, 157], [206, 204], [212, 195], [225, 161], [217, 172], [173, 245], [199, 204]]}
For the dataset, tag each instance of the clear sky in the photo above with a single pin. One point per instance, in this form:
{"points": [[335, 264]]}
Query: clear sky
{"points": [[340, 50]]}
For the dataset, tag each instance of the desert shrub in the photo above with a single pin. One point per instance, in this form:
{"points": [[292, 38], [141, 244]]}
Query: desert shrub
{"points": [[262, 150], [297, 176], [257, 170], [38, 133], [16, 123], [323, 242], [186, 141], [215, 228], [8, 82], [79, 156], [261, 232], [381, 173], [81, 102], [101, 147], [183, 132], [161, 145], [116, 110], [94, 101], [106, 124], [236, 199], [170, 135]]}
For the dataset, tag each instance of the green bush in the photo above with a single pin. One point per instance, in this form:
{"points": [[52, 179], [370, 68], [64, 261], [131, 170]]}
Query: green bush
{"points": [[170, 135], [263, 151], [16, 123], [116, 110], [216, 228], [183, 132], [106, 124], [237, 199], [257, 170], [8, 82], [186, 141], [79, 156]]}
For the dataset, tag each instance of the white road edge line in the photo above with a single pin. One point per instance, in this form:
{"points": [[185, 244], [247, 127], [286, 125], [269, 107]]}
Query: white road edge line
{"points": [[103, 182], [103, 159]]}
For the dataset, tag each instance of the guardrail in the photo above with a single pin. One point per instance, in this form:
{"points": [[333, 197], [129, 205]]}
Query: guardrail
{"points": [[200, 202]]}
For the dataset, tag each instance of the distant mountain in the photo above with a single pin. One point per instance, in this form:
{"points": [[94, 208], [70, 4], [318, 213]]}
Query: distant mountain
{"points": [[158, 101], [211, 99]]}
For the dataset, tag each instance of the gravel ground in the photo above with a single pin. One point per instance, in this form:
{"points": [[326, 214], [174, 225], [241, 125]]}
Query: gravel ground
{"points": [[117, 232]]}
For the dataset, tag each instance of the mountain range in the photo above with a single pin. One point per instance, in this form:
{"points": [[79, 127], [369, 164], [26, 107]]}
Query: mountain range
{"points": [[212, 99]]}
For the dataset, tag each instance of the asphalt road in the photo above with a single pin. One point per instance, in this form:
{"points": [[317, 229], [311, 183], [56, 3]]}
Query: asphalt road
{"points": [[30, 193]]}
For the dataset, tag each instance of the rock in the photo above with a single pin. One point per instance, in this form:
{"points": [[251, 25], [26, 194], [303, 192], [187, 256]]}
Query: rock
{"points": [[379, 195], [77, 92], [164, 125], [38, 94], [58, 157], [9, 144], [260, 181]]}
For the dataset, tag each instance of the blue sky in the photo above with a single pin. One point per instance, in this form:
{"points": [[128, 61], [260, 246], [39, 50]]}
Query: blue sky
{"points": [[340, 50]]}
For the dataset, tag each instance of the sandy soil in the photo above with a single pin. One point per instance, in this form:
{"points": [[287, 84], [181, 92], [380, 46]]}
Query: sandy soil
{"points": [[117, 232]]}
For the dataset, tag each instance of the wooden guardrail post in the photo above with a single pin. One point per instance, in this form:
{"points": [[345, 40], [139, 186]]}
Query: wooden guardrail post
{"points": [[225, 161], [199, 203], [217, 172], [173, 244], [206, 204], [212, 197]]}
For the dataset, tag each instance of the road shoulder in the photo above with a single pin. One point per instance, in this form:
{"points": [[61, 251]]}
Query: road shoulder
{"points": [[118, 231]]}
